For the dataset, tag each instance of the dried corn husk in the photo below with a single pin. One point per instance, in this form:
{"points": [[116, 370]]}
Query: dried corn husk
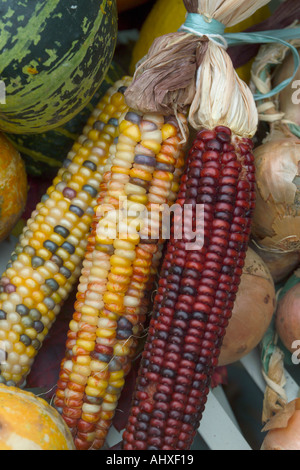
{"points": [[275, 397], [182, 70], [276, 222]]}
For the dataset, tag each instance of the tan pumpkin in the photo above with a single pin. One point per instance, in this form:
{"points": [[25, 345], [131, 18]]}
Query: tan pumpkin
{"points": [[13, 187], [30, 423]]}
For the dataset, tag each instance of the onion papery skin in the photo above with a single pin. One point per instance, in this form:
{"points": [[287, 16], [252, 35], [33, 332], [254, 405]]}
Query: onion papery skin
{"points": [[284, 429], [252, 313], [276, 221], [288, 318]]}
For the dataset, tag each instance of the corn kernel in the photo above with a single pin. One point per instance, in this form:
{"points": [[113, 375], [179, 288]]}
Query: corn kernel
{"points": [[103, 333], [86, 345], [168, 130], [94, 392], [152, 145], [115, 376], [78, 379]]}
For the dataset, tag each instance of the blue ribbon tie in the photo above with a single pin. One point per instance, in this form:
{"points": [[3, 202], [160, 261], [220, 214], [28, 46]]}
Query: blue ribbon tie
{"points": [[202, 26]]}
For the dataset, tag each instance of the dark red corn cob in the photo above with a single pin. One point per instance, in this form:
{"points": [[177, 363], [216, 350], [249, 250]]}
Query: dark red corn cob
{"points": [[196, 294]]}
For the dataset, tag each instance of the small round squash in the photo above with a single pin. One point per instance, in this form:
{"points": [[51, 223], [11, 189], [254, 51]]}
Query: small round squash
{"points": [[30, 423], [54, 56], [13, 187]]}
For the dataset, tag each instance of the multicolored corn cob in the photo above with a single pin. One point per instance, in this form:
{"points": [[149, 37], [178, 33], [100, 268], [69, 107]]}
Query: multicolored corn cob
{"points": [[46, 263], [197, 290], [121, 255]]}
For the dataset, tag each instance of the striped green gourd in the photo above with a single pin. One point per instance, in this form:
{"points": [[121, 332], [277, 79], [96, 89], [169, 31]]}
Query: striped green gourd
{"points": [[44, 153], [53, 57]]}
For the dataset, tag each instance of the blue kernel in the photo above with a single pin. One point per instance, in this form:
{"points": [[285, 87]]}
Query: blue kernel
{"points": [[76, 210], [99, 125], [38, 326], [36, 344], [35, 314], [25, 340], [60, 230], [57, 260], [101, 357], [90, 190], [3, 355], [133, 117], [68, 247], [50, 246], [113, 122], [90, 165], [2, 315], [10, 383], [52, 284], [44, 198], [36, 262], [123, 334], [49, 303], [22, 310], [67, 162], [65, 272], [122, 89]]}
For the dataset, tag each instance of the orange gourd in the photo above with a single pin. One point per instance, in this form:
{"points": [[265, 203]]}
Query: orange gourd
{"points": [[30, 423], [13, 187]]}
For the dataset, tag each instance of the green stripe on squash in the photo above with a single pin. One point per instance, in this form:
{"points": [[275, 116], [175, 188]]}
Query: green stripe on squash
{"points": [[44, 153], [54, 55]]}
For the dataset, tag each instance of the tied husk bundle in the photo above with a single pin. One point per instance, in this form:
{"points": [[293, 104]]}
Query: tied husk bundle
{"points": [[276, 222], [184, 72]]}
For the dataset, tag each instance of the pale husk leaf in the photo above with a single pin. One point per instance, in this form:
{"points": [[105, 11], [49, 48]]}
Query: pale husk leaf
{"points": [[281, 419], [225, 99], [275, 398], [228, 12], [269, 58]]}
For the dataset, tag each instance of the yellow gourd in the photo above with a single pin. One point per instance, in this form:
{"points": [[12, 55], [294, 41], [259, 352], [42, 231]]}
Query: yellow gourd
{"points": [[13, 187], [168, 15]]}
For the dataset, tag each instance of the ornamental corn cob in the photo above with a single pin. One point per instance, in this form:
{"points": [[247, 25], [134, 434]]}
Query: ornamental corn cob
{"points": [[46, 263], [196, 294], [110, 312]]}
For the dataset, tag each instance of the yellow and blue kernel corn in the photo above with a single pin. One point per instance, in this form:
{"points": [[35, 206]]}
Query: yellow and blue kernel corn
{"points": [[46, 263], [121, 258]]}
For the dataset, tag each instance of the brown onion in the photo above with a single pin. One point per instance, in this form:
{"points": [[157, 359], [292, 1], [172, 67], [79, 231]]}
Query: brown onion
{"points": [[284, 429], [252, 313], [288, 317], [280, 265], [289, 97], [276, 222]]}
